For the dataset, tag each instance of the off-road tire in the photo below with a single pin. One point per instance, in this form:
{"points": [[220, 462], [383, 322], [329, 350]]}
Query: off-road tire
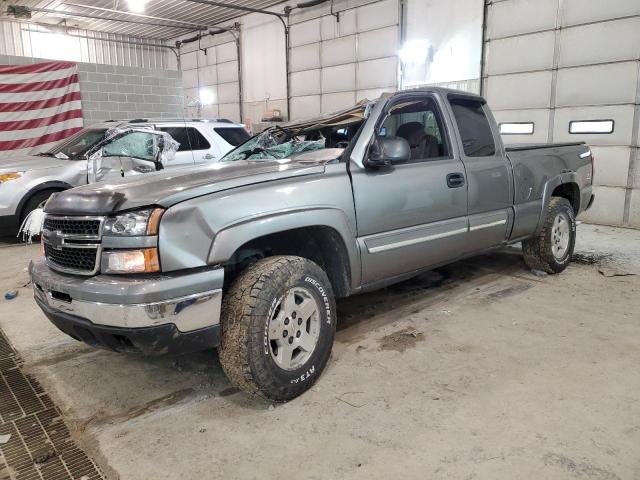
{"points": [[538, 254], [246, 313]]}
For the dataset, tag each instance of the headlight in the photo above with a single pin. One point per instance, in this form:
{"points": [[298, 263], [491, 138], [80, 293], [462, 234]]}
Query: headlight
{"points": [[133, 224], [6, 177], [131, 261]]}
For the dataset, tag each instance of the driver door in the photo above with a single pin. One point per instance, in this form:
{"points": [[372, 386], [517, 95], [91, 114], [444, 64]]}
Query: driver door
{"points": [[413, 215], [133, 153]]}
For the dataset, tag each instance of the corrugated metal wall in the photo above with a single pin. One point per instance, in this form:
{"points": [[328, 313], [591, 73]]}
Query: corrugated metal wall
{"points": [[15, 39], [551, 62]]}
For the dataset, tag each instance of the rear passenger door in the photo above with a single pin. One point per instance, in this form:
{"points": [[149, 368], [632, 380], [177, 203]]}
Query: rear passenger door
{"points": [[194, 147], [489, 175]]}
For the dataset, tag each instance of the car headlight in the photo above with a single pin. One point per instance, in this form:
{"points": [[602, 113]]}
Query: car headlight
{"points": [[7, 177], [133, 224]]}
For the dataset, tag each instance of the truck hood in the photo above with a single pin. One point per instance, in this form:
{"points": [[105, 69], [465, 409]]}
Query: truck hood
{"points": [[29, 163], [166, 188]]}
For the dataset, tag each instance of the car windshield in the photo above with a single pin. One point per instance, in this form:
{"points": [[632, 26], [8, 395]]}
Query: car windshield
{"points": [[331, 131], [76, 146]]}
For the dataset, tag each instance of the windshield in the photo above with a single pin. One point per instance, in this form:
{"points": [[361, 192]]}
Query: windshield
{"points": [[333, 131], [76, 146]]}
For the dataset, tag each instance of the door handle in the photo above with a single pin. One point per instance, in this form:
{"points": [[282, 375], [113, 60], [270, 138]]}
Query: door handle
{"points": [[455, 180], [207, 156]]}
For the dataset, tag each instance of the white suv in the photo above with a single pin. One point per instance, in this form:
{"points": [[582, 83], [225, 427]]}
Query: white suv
{"points": [[27, 181]]}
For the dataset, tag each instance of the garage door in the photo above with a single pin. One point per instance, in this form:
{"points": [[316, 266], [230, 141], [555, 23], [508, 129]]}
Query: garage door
{"points": [[335, 61], [567, 70], [210, 73]]}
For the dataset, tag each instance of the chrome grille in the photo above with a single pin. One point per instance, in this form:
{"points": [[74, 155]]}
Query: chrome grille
{"points": [[72, 244]]}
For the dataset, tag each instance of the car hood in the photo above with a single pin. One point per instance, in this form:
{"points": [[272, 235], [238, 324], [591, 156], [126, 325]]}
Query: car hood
{"points": [[168, 187], [28, 163]]}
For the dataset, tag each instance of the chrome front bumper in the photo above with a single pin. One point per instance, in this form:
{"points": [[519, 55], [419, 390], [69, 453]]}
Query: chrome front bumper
{"points": [[189, 301]]}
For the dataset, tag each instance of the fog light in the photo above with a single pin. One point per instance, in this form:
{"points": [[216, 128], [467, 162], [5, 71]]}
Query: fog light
{"points": [[131, 261]]}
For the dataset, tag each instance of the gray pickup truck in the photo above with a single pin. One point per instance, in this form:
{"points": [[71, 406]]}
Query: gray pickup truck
{"points": [[249, 254]]}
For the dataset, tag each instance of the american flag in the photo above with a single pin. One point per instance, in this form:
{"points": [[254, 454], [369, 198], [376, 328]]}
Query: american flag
{"points": [[39, 105]]}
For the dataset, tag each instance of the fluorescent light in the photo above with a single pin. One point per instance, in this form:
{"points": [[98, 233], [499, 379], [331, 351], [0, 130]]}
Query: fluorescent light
{"points": [[415, 52], [137, 6], [516, 128], [207, 97], [591, 126]]}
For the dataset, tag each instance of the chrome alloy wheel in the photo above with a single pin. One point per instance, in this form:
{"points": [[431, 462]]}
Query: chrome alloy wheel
{"points": [[294, 328], [560, 236]]}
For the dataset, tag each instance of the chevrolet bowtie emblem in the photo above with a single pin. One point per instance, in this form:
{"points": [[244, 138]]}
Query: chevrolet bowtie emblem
{"points": [[55, 240]]}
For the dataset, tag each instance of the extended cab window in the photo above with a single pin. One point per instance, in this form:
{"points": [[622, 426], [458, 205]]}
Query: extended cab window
{"points": [[419, 123], [189, 138], [474, 128]]}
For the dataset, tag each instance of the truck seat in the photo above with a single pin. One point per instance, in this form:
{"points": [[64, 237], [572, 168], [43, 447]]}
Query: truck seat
{"points": [[422, 144]]}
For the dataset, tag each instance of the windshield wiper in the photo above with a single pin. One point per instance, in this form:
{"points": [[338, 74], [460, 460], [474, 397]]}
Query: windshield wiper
{"points": [[45, 154]]}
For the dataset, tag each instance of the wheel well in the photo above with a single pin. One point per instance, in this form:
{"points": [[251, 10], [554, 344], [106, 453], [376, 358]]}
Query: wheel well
{"points": [[571, 192], [321, 244], [37, 191]]}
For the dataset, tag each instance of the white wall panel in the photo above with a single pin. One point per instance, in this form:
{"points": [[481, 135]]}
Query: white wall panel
{"points": [[189, 60], [302, 107], [227, 52], [377, 15], [540, 119], [377, 73], [336, 101], [210, 111], [209, 75], [608, 207], [620, 114], [515, 17], [584, 11], [597, 85], [305, 57], [521, 90], [227, 72], [520, 54], [378, 43], [611, 166], [228, 93], [340, 78], [338, 51], [304, 33], [600, 42], [305, 83], [190, 78], [634, 217]]}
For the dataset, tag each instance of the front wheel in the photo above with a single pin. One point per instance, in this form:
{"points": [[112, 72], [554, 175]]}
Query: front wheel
{"points": [[278, 326], [551, 250]]}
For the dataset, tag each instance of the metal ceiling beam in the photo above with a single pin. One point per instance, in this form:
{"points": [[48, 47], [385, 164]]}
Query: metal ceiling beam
{"points": [[240, 8], [12, 9], [140, 15]]}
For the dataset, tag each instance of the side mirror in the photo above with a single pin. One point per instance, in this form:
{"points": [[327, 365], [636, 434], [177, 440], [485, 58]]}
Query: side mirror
{"points": [[386, 151]]}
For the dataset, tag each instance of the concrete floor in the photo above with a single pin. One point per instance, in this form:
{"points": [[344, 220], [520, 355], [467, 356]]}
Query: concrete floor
{"points": [[480, 370]]}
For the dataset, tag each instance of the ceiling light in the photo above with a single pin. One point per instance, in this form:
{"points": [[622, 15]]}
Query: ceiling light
{"points": [[137, 6]]}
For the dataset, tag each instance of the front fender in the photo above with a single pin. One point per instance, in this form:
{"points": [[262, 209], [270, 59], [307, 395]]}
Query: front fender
{"points": [[232, 237]]}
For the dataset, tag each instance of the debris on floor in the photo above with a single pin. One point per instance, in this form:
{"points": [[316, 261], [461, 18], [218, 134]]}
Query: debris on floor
{"points": [[10, 295], [401, 340], [5, 438]]}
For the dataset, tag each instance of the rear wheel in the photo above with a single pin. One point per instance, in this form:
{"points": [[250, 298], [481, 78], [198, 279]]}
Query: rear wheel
{"points": [[551, 250], [278, 326]]}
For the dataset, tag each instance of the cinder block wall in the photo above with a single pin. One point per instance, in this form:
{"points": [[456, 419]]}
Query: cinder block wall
{"points": [[115, 92]]}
